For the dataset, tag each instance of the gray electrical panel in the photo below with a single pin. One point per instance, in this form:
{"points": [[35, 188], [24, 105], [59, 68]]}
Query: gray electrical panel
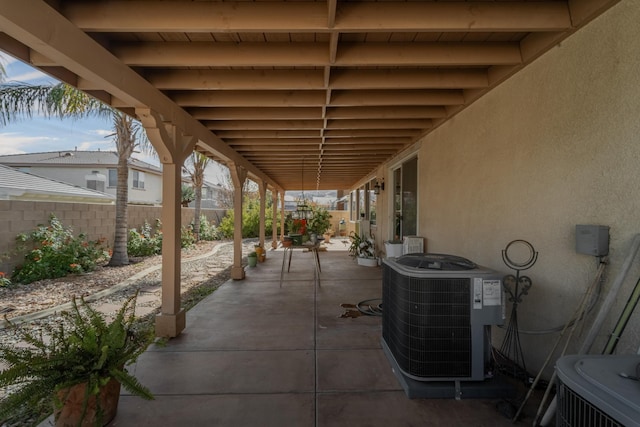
{"points": [[592, 240]]}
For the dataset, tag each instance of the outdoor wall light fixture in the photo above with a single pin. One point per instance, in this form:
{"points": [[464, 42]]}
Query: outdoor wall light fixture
{"points": [[378, 187]]}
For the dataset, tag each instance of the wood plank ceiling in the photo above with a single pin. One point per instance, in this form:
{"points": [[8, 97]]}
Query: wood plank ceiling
{"points": [[334, 88]]}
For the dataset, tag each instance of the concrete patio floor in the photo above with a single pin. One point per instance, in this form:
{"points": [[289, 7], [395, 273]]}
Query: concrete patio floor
{"points": [[255, 353]]}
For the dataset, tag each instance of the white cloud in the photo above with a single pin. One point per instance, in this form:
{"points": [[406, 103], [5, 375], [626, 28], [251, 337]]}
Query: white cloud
{"points": [[101, 132], [9, 150], [85, 146], [15, 143], [7, 59], [147, 158], [30, 77]]}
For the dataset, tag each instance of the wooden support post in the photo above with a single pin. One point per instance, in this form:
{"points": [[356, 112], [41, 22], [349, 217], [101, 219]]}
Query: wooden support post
{"points": [[238, 177], [282, 216], [262, 190], [173, 148], [274, 219]]}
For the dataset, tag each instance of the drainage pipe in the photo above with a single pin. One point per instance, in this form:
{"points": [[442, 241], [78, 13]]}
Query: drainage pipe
{"points": [[572, 323], [629, 307], [602, 314]]}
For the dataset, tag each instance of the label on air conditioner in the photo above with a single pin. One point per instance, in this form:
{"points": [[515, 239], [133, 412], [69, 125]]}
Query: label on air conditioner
{"points": [[491, 292], [477, 293]]}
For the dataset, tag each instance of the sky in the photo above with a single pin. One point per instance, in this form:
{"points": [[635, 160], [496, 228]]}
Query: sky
{"points": [[39, 134]]}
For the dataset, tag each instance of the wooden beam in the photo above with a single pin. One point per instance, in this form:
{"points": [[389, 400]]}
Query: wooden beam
{"points": [[382, 124], [173, 16], [255, 113], [236, 79], [349, 98], [315, 54], [267, 98], [262, 133], [408, 79], [454, 16], [391, 112], [263, 124]]}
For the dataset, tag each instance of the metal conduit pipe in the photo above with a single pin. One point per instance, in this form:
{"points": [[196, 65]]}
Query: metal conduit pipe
{"points": [[600, 318]]}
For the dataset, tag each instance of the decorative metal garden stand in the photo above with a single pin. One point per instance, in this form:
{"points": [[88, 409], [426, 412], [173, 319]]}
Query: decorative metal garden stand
{"points": [[516, 286]]}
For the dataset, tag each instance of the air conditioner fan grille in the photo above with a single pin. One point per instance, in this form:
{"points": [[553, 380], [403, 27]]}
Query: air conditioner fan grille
{"points": [[429, 332]]}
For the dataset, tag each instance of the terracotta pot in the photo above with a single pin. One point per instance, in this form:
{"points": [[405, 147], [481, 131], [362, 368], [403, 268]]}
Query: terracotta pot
{"points": [[70, 414], [260, 252]]}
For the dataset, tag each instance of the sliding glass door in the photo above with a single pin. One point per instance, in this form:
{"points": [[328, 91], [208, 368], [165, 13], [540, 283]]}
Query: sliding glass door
{"points": [[405, 202]]}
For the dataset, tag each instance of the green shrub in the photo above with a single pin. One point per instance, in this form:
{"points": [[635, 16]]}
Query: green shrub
{"points": [[250, 220], [187, 238], [55, 252], [144, 242], [208, 231], [4, 281], [188, 195]]}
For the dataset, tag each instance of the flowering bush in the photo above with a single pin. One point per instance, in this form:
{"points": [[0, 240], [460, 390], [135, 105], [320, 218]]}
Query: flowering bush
{"points": [[299, 226], [55, 252], [361, 247]]}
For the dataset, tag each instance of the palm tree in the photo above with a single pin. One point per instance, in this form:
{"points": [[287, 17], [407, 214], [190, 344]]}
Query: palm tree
{"points": [[199, 163], [20, 100], [126, 137]]}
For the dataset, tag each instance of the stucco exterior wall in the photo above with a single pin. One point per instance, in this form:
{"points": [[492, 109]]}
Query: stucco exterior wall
{"points": [[151, 194], [554, 146]]}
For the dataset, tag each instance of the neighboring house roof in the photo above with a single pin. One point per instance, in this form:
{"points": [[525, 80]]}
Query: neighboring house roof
{"points": [[324, 201], [74, 158], [17, 185]]}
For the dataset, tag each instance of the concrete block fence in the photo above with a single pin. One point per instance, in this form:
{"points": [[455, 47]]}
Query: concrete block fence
{"points": [[95, 220]]}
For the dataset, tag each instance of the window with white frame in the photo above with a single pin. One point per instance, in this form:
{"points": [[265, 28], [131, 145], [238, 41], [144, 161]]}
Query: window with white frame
{"points": [[372, 202], [113, 177], [362, 203], [138, 180], [353, 202]]}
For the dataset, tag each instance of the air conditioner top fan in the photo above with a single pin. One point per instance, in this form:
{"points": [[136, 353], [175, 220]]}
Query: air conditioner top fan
{"points": [[436, 262]]}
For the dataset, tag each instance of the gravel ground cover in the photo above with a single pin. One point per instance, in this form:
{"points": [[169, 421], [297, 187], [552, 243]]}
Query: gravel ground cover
{"points": [[205, 265], [204, 268]]}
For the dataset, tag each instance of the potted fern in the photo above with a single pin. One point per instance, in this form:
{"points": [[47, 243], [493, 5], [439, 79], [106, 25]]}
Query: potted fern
{"points": [[76, 366]]}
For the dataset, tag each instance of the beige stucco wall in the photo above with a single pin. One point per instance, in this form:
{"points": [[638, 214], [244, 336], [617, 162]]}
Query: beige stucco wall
{"points": [[151, 194], [554, 146]]}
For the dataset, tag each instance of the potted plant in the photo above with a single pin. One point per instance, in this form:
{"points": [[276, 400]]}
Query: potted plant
{"points": [[252, 259], [363, 249], [319, 222], [188, 196], [260, 252], [77, 365], [328, 234]]}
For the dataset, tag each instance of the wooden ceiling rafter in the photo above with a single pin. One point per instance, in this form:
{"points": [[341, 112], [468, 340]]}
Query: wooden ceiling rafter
{"points": [[346, 85]]}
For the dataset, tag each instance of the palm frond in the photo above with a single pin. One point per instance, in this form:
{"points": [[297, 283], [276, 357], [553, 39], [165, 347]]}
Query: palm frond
{"points": [[20, 101]]}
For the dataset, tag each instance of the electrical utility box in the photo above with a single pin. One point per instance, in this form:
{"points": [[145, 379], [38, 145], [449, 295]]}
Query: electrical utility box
{"points": [[592, 240]]}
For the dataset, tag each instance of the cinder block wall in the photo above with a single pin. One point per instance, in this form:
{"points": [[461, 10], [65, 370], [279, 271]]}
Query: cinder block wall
{"points": [[95, 220]]}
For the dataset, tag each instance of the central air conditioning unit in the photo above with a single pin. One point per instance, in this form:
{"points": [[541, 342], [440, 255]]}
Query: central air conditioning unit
{"points": [[437, 316], [593, 391]]}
